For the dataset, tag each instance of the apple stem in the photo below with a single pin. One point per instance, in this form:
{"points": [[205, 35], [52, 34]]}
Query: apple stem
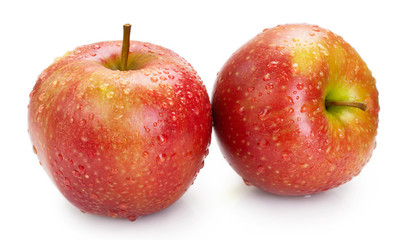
{"points": [[125, 46], [359, 105]]}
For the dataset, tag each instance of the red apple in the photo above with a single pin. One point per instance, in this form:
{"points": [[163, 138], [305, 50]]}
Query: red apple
{"points": [[120, 143], [296, 110]]}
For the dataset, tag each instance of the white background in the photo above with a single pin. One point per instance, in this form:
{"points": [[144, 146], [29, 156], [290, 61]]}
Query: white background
{"points": [[218, 205]]}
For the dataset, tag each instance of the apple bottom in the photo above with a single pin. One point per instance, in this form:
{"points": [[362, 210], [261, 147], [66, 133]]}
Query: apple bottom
{"points": [[291, 164], [125, 190]]}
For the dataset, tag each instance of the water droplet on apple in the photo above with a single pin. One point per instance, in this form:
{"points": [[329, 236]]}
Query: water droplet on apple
{"points": [[206, 153], [241, 110], [42, 96], [67, 182], [110, 95], [145, 154], [40, 108], [272, 64], [35, 150], [96, 46], [250, 89], [91, 116], [161, 157], [300, 86], [82, 123], [132, 218], [316, 28], [304, 108], [266, 77], [290, 100], [202, 165], [32, 93], [146, 129], [269, 86], [81, 169], [162, 138], [246, 182], [323, 49], [280, 47], [124, 81], [170, 101], [264, 114]]}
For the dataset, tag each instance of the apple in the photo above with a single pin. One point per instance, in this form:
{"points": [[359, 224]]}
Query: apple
{"points": [[122, 136], [296, 110]]}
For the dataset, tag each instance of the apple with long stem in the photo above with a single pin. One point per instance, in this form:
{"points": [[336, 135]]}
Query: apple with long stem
{"points": [[121, 127], [296, 110]]}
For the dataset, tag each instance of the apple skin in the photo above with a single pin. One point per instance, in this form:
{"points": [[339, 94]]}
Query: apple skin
{"points": [[120, 143], [270, 116]]}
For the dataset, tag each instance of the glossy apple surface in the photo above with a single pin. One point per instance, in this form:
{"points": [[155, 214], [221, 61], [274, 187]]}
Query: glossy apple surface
{"points": [[120, 143], [296, 110]]}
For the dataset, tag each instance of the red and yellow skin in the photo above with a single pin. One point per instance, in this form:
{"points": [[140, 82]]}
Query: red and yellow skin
{"points": [[120, 143], [270, 112]]}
